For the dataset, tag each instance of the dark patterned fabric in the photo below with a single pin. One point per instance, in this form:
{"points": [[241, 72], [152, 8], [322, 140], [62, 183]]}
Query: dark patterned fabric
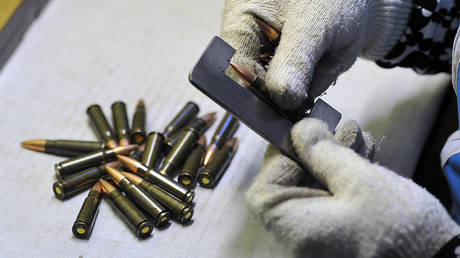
{"points": [[450, 250], [426, 44]]}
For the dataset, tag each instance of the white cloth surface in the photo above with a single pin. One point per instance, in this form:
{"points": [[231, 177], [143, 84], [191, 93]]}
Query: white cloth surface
{"points": [[83, 52]]}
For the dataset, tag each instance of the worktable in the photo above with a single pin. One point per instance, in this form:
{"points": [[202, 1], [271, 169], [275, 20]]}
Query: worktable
{"points": [[82, 52]]}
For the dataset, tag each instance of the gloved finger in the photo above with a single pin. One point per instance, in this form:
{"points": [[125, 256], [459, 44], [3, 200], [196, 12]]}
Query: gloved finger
{"points": [[277, 182], [308, 225], [350, 135], [242, 33], [302, 44], [325, 74], [280, 170], [329, 162], [368, 149]]}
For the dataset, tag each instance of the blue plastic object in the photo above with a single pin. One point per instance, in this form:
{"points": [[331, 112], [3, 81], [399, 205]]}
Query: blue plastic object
{"points": [[452, 167], [452, 172]]}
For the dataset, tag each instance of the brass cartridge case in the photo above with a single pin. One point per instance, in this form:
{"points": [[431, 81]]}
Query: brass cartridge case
{"points": [[153, 148], [191, 166], [210, 175], [138, 126], [185, 115], [120, 122], [101, 125], [154, 209], [71, 148], [77, 182], [134, 217], [164, 182], [183, 147], [225, 130], [180, 210], [76, 164], [84, 223]]}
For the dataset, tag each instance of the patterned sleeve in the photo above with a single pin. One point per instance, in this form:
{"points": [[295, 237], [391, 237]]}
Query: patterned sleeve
{"points": [[426, 44]]}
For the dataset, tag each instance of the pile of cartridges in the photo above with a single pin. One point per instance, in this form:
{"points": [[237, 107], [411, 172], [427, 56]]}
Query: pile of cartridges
{"points": [[148, 195]]}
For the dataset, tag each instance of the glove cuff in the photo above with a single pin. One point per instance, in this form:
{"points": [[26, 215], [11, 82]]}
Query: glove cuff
{"points": [[386, 23], [451, 148]]}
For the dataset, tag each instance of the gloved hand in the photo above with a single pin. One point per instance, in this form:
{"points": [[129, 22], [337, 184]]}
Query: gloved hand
{"points": [[368, 210], [320, 39]]}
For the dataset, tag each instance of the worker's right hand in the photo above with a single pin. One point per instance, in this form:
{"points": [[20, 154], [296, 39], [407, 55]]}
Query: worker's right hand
{"points": [[366, 211], [320, 39]]}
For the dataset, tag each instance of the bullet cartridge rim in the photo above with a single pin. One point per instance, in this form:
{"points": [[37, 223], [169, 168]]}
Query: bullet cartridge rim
{"points": [[138, 137], [186, 216], [59, 190], [86, 218], [185, 179], [80, 230], [162, 219], [58, 168], [189, 196], [206, 180], [144, 229]]}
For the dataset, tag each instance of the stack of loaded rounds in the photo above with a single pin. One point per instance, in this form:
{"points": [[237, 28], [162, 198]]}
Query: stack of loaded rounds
{"points": [[135, 170]]}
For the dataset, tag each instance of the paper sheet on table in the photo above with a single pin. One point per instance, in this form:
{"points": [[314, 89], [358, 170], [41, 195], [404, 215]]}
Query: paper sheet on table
{"points": [[83, 52]]}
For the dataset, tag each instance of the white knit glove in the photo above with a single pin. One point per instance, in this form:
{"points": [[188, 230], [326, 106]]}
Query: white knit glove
{"points": [[320, 39], [368, 210]]}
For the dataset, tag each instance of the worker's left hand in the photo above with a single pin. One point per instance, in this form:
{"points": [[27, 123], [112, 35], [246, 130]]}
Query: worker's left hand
{"points": [[366, 211]]}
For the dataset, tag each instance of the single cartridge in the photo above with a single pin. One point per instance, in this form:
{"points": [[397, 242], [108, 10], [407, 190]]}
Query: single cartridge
{"points": [[134, 217], [138, 126], [180, 210], [80, 181], [76, 164], [84, 223], [192, 164], [186, 143], [64, 148], [226, 129], [164, 182], [212, 173], [154, 209]]}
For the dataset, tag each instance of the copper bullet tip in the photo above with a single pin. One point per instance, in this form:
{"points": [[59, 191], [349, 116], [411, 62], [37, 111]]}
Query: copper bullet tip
{"points": [[96, 187], [113, 164], [36, 145], [141, 147], [132, 164], [133, 178], [124, 141], [244, 74], [115, 174], [112, 144], [202, 140], [267, 30], [232, 143], [265, 56], [210, 152], [106, 186], [125, 149], [140, 103], [209, 118]]}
